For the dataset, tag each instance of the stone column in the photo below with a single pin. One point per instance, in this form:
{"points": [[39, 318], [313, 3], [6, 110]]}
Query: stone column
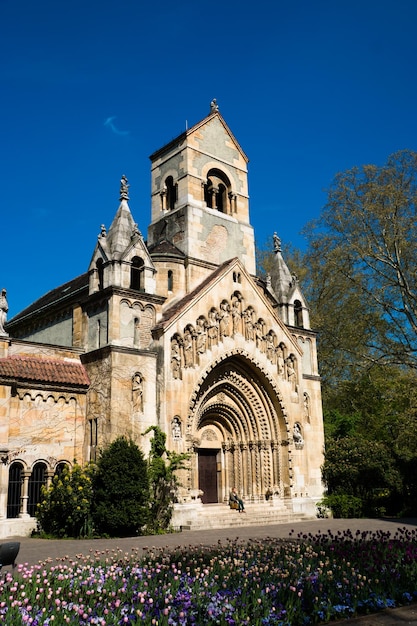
{"points": [[25, 494]]}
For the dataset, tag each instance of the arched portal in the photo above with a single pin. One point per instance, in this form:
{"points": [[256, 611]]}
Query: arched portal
{"points": [[238, 434]]}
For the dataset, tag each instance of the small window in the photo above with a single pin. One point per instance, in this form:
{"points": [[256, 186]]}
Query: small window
{"points": [[60, 468], [93, 438], [171, 191], [298, 314], [170, 280], [100, 273]]}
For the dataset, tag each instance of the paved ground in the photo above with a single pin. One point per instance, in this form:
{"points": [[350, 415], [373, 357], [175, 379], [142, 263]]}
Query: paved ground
{"points": [[34, 551]]}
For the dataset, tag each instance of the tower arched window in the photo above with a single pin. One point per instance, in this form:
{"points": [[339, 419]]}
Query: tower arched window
{"points": [[136, 273], [171, 191], [217, 191], [100, 273], [298, 314]]}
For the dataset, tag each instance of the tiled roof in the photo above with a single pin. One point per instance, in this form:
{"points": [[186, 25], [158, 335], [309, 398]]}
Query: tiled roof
{"points": [[166, 247], [37, 369], [62, 293]]}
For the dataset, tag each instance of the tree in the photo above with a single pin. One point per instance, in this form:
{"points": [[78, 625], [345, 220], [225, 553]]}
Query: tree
{"points": [[350, 469], [65, 508], [121, 490], [163, 480], [362, 284]]}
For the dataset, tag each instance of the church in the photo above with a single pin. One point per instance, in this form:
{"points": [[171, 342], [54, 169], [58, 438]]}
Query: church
{"points": [[175, 330]]}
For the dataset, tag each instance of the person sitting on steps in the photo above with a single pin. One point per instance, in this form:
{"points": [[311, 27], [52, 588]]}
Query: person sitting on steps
{"points": [[235, 500]]}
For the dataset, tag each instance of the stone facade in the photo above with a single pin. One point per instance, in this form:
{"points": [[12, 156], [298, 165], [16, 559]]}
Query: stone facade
{"points": [[176, 331]]}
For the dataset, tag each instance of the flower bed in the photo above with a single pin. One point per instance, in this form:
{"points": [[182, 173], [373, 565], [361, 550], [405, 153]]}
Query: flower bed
{"points": [[310, 579]]}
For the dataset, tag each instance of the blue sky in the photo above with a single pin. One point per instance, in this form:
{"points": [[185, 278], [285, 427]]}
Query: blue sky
{"points": [[89, 89]]}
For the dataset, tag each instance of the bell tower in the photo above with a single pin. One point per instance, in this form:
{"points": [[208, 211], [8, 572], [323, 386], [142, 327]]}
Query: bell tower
{"points": [[200, 201]]}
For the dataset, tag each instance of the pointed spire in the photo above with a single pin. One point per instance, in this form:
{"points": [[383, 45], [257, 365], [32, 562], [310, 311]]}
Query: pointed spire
{"points": [[123, 225], [280, 278]]}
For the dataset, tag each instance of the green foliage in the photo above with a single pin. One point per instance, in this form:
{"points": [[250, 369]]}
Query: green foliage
{"points": [[342, 505], [65, 508], [163, 480], [357, 467], [121, 490], [361, 266]]}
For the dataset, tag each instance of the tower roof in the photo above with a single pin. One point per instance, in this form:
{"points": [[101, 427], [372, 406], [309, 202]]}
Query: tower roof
{"points": [[123, 226]]}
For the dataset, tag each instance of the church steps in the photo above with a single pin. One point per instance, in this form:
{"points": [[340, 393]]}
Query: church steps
{"points": [[213, 516]]}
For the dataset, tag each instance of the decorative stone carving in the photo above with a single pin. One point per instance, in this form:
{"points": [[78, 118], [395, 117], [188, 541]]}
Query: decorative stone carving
{"points": [[209, 435], [214, 106]]}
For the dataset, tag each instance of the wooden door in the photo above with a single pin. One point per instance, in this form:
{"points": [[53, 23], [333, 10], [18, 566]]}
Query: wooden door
{"points": [[207, 475]]}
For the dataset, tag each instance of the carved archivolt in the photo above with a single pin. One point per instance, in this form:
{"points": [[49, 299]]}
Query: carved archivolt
{"points": [[227, 320]]}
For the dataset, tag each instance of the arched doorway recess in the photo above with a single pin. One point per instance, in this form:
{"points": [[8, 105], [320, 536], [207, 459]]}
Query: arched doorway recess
{"points": [[237, 433]]}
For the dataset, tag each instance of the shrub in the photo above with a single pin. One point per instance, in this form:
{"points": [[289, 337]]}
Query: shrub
{"points": [[65, 508], [163, 481], [121, 490], [342, 505]]}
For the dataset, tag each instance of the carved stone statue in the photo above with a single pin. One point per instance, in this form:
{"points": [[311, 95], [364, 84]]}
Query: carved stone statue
{"points": [[259, 336], [280, 361], [201, 336], [176, 429], [213, 328], [175, 358], [4, 307], [249, 328], [137, 392], [224, 316], [277, 243], [124, 188], [297, 436], [270, 349], [214, 106], [306, 402], [236, 316], [291, 374], [188, 349]]}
